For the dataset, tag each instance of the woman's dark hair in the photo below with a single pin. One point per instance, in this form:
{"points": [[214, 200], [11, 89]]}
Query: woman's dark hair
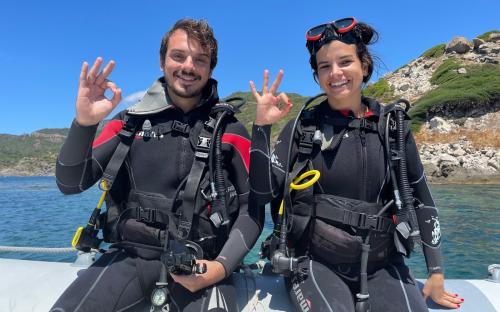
{"points": [[364, 35]]}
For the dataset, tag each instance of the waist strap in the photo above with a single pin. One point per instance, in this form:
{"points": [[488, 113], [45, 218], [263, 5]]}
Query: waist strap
{"points": [[358, 220], [147, 215]]}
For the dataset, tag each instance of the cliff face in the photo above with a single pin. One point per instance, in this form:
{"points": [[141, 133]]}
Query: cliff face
{"points": [[455, 89]]}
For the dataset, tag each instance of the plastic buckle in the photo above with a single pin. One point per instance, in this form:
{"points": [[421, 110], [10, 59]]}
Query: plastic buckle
{"points": [[128, 129], [204, 142], [306, 142], [372, 222], [146, 215], [216, 219], [307, 138], [203, 146], [180, 127], [210, 123]]}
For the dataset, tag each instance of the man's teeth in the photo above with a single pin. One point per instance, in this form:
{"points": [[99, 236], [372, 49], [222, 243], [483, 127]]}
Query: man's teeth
{"points": [[188, 78], [338, 84]]}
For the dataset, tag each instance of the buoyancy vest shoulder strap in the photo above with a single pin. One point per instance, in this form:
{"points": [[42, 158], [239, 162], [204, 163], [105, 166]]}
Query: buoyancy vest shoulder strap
{"points": [[201, 131], [306, 133], [126, 136]]}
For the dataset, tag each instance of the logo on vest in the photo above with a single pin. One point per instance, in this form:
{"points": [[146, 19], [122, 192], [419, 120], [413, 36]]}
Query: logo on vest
{"points": [[305, 304], [275, 160], [436, 232], [204, 142]]}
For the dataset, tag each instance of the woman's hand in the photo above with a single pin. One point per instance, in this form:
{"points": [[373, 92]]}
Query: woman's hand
{"points": [[268, 111], [91, 104], [434, 288], [194, 282]]}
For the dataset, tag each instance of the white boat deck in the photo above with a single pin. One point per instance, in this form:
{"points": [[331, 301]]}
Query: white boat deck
{"points": [[36, 285]]}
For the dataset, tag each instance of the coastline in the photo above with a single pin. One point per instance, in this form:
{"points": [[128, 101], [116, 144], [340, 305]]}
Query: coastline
{"points": [[482, 180]]}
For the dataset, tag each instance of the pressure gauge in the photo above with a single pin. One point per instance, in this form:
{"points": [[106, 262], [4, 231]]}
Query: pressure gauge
{"points": [[159, 296]]}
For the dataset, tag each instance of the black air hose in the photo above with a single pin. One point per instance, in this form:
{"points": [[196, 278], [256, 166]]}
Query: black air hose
{"points": [[218, 184], [407, 213]]}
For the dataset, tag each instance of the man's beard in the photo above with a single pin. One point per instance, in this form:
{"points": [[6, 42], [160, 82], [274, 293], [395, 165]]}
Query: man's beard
{"points": [[186, 94]]}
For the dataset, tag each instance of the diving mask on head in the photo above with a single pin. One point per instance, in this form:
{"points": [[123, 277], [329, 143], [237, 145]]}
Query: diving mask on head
{"points": [[340, 30]]}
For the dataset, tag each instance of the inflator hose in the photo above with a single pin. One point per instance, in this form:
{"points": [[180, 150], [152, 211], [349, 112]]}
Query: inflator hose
{"points": [[407, 213], [219, 203]]}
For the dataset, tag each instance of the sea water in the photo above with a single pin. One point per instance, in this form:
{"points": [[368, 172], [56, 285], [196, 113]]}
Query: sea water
{"points": [[33, 212]]}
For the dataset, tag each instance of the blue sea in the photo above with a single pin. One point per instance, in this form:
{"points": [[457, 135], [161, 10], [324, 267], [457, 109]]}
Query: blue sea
{"points": [[34, 213]]}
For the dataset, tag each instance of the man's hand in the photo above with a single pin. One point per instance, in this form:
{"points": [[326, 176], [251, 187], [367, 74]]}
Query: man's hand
{"points": [[91, 104], [194, 282], [434, 288]]}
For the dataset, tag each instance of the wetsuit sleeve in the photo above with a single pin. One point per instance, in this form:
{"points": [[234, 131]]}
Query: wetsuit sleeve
{"points": [[427, 213], [267, 172], [248, 225], [82, 159]]}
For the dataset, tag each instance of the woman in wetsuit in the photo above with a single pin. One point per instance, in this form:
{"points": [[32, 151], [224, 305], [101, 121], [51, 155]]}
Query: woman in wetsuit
{"points": [[354, 173]]}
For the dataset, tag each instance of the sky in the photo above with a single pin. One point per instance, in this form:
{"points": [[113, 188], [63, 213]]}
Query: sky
{"points": [[43, 44]]}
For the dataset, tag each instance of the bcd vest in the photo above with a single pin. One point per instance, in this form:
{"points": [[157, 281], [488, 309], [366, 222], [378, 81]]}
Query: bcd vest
{"points": [[335, 226], [138, 222]]}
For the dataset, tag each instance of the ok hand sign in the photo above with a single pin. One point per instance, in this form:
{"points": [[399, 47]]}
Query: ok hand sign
{"points": [[268, 111], [91, 104]]}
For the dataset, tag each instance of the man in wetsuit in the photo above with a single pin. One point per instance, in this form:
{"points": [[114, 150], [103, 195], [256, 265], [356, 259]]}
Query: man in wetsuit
{"points": [[153, 179]]}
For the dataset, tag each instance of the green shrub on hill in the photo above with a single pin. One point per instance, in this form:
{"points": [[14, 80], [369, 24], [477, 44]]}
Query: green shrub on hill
{"points": [[486, 35], [13, 148], [63, 131], [445, 72], [435, 51], [380, 90], [480, 85]]}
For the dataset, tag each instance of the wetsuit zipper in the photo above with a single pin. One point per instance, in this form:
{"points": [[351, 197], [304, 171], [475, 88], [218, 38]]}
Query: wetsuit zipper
{"points": [[362, 137]]}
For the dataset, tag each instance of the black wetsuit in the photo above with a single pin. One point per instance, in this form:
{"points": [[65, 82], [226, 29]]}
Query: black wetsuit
{"points": [[123, 278], [356, 169]]}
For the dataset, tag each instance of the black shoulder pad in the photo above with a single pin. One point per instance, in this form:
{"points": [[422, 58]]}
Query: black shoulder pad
{"points": [[400, 104]]}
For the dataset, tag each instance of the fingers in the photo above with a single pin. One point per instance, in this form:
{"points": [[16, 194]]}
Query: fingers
{"points": [[448, 300], [94, 70], [288, 104], [105, 72], [276, 82], [445, 302], [254, 91], [455, 299], [83, 72], [117, 93], [266, 81]]}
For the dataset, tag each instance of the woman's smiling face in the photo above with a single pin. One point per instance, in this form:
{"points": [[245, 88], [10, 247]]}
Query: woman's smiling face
{"points": [[340, 74]]}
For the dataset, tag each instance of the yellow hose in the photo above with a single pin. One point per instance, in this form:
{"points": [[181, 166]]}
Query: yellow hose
{"points": [[296, 186]]}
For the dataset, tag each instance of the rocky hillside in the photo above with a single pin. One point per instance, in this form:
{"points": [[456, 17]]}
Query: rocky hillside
{"points": [[30, 154], [454, 88]]}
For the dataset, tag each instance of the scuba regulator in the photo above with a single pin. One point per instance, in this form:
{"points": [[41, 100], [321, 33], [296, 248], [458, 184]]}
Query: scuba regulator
{"points": [[178, 257]]}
